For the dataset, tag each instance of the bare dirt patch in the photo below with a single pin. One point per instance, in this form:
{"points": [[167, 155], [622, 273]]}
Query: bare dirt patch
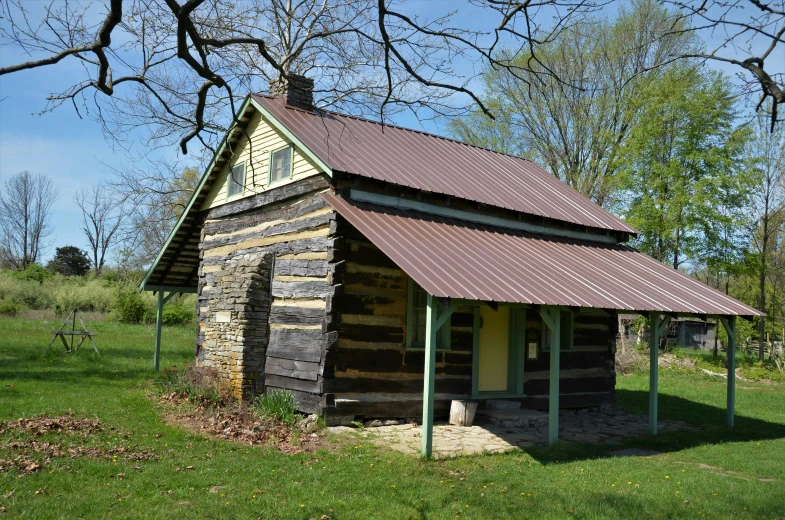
{"points": [[236, 422], [32, 443]]}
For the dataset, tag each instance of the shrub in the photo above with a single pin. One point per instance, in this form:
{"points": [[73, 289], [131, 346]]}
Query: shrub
{"points": [[34, 273], [27, 293], [630, 360], [279, 405], [8, 308], [178, 314], [128, 305], [197, 384], [85, 295]]}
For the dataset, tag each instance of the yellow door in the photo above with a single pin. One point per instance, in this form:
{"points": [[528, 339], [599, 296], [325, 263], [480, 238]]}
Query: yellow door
{"points": [[494, 349]]}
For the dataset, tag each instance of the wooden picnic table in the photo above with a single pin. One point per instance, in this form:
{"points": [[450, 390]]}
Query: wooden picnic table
{"points": [[83, 334]]}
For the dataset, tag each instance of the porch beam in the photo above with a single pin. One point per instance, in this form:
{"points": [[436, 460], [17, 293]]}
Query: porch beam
{"points": [[730, 327], [430, 375], [552, 318]]}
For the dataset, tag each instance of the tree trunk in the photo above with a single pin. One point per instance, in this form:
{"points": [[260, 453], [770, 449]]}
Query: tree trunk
{"points": [[762, 281]]}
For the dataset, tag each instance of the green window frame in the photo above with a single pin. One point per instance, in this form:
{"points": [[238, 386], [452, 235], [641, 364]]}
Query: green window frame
{"points": [[235, 180], [416, 303], [567, 334], [281, 160]]}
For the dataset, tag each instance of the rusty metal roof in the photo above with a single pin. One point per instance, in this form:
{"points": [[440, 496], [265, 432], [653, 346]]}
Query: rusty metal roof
{"points": [[458, 259], [439, 165]]}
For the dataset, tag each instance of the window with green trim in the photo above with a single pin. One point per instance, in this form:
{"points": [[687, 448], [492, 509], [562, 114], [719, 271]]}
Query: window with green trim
{"points": [[281, 165], [566, 333], [417, 303], [236, 180]]}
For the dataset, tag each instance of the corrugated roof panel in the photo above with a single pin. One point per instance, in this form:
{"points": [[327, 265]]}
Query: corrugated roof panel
{"points": [[439, 165], [458, 259]]}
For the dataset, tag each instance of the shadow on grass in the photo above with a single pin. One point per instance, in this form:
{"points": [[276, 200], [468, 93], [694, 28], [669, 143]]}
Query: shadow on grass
{"points": [[711, 420]]}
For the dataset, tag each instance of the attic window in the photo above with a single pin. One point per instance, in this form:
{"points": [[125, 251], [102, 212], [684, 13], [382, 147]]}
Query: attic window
{"points": [[281, 165], [236, 179]]}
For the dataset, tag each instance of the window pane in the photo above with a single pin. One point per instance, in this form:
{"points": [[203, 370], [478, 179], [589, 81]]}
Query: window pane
{"points": [[236, 179], [419, 305], [281, 165]]}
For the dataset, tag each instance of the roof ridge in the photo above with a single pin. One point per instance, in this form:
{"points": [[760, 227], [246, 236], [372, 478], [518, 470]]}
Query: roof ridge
{"points": [[405, 128]]}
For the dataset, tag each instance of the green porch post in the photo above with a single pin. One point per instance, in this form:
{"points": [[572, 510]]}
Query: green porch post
{"points": [[654, 351], [551, 316], [158, 322], [730, 328], [430, 375], [656, 329]]}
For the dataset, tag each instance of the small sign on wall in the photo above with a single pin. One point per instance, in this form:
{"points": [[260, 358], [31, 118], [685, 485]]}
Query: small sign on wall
{"points": [[223, 317]]}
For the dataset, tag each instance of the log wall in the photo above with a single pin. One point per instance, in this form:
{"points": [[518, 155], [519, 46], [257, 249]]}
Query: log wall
{"points": [[281, 238]]}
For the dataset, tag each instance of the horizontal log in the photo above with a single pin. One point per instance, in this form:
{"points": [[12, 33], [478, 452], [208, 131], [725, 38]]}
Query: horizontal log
{"points": [[283, 228], [291, 247], [569, 386], [369, 383], [389, 304], [302, 206], [287, 191], [372, 333], [396, 409], [268, 243], [293, 364], [291, 383], [299, 344], [366, 360], [291, 315], [574, 400], [307, 375], [301, 267], [301, 289]]}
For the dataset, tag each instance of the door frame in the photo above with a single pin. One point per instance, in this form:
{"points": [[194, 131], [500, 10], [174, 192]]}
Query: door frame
{"points": [[516, 355]]}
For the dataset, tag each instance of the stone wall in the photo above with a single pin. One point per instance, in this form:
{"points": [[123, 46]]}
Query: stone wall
{"points": [[233, 319]]}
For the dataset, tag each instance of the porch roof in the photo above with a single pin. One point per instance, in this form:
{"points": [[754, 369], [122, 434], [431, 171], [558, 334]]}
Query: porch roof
{"points": [[459, 259]]}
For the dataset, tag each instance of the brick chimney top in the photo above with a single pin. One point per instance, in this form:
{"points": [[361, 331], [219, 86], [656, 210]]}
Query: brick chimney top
{"points": [[296, 90]]}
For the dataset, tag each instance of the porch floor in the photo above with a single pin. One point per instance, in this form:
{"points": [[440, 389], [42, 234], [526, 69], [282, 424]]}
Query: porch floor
{"points": [[608, 426]]}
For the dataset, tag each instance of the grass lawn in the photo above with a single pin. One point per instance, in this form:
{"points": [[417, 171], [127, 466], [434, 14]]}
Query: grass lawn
{"points": [[714, 473]]}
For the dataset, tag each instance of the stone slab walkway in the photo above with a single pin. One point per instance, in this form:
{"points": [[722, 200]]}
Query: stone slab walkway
{"points": [[608, 426]]}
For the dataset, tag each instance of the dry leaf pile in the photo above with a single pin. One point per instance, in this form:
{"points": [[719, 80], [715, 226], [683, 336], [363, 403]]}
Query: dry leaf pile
{"points": [[34, 442], [237, 422]]}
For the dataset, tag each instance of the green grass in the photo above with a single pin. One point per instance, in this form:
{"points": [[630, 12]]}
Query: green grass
{"points": [[358, 480]]}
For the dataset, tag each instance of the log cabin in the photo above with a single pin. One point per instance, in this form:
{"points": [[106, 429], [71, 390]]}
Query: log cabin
{"points": [[380, 272]]}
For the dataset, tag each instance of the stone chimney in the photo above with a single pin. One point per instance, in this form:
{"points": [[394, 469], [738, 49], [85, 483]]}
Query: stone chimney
{"points": [[296, 91]]}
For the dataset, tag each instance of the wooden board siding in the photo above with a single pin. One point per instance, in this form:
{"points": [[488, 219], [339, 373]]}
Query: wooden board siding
{"points": [[264, 139], [292, 223]]}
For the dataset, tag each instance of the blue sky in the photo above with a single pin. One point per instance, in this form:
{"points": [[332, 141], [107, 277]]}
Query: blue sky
{"points": [[73, 151]]}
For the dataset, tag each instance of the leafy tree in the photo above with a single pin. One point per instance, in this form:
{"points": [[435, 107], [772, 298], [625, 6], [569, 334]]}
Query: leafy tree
{"points": [[576, 128], [70, 261], [680, 167], [767, 152]]}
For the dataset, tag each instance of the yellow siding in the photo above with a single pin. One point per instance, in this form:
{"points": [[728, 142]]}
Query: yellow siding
{"points": [[264, 139]]}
